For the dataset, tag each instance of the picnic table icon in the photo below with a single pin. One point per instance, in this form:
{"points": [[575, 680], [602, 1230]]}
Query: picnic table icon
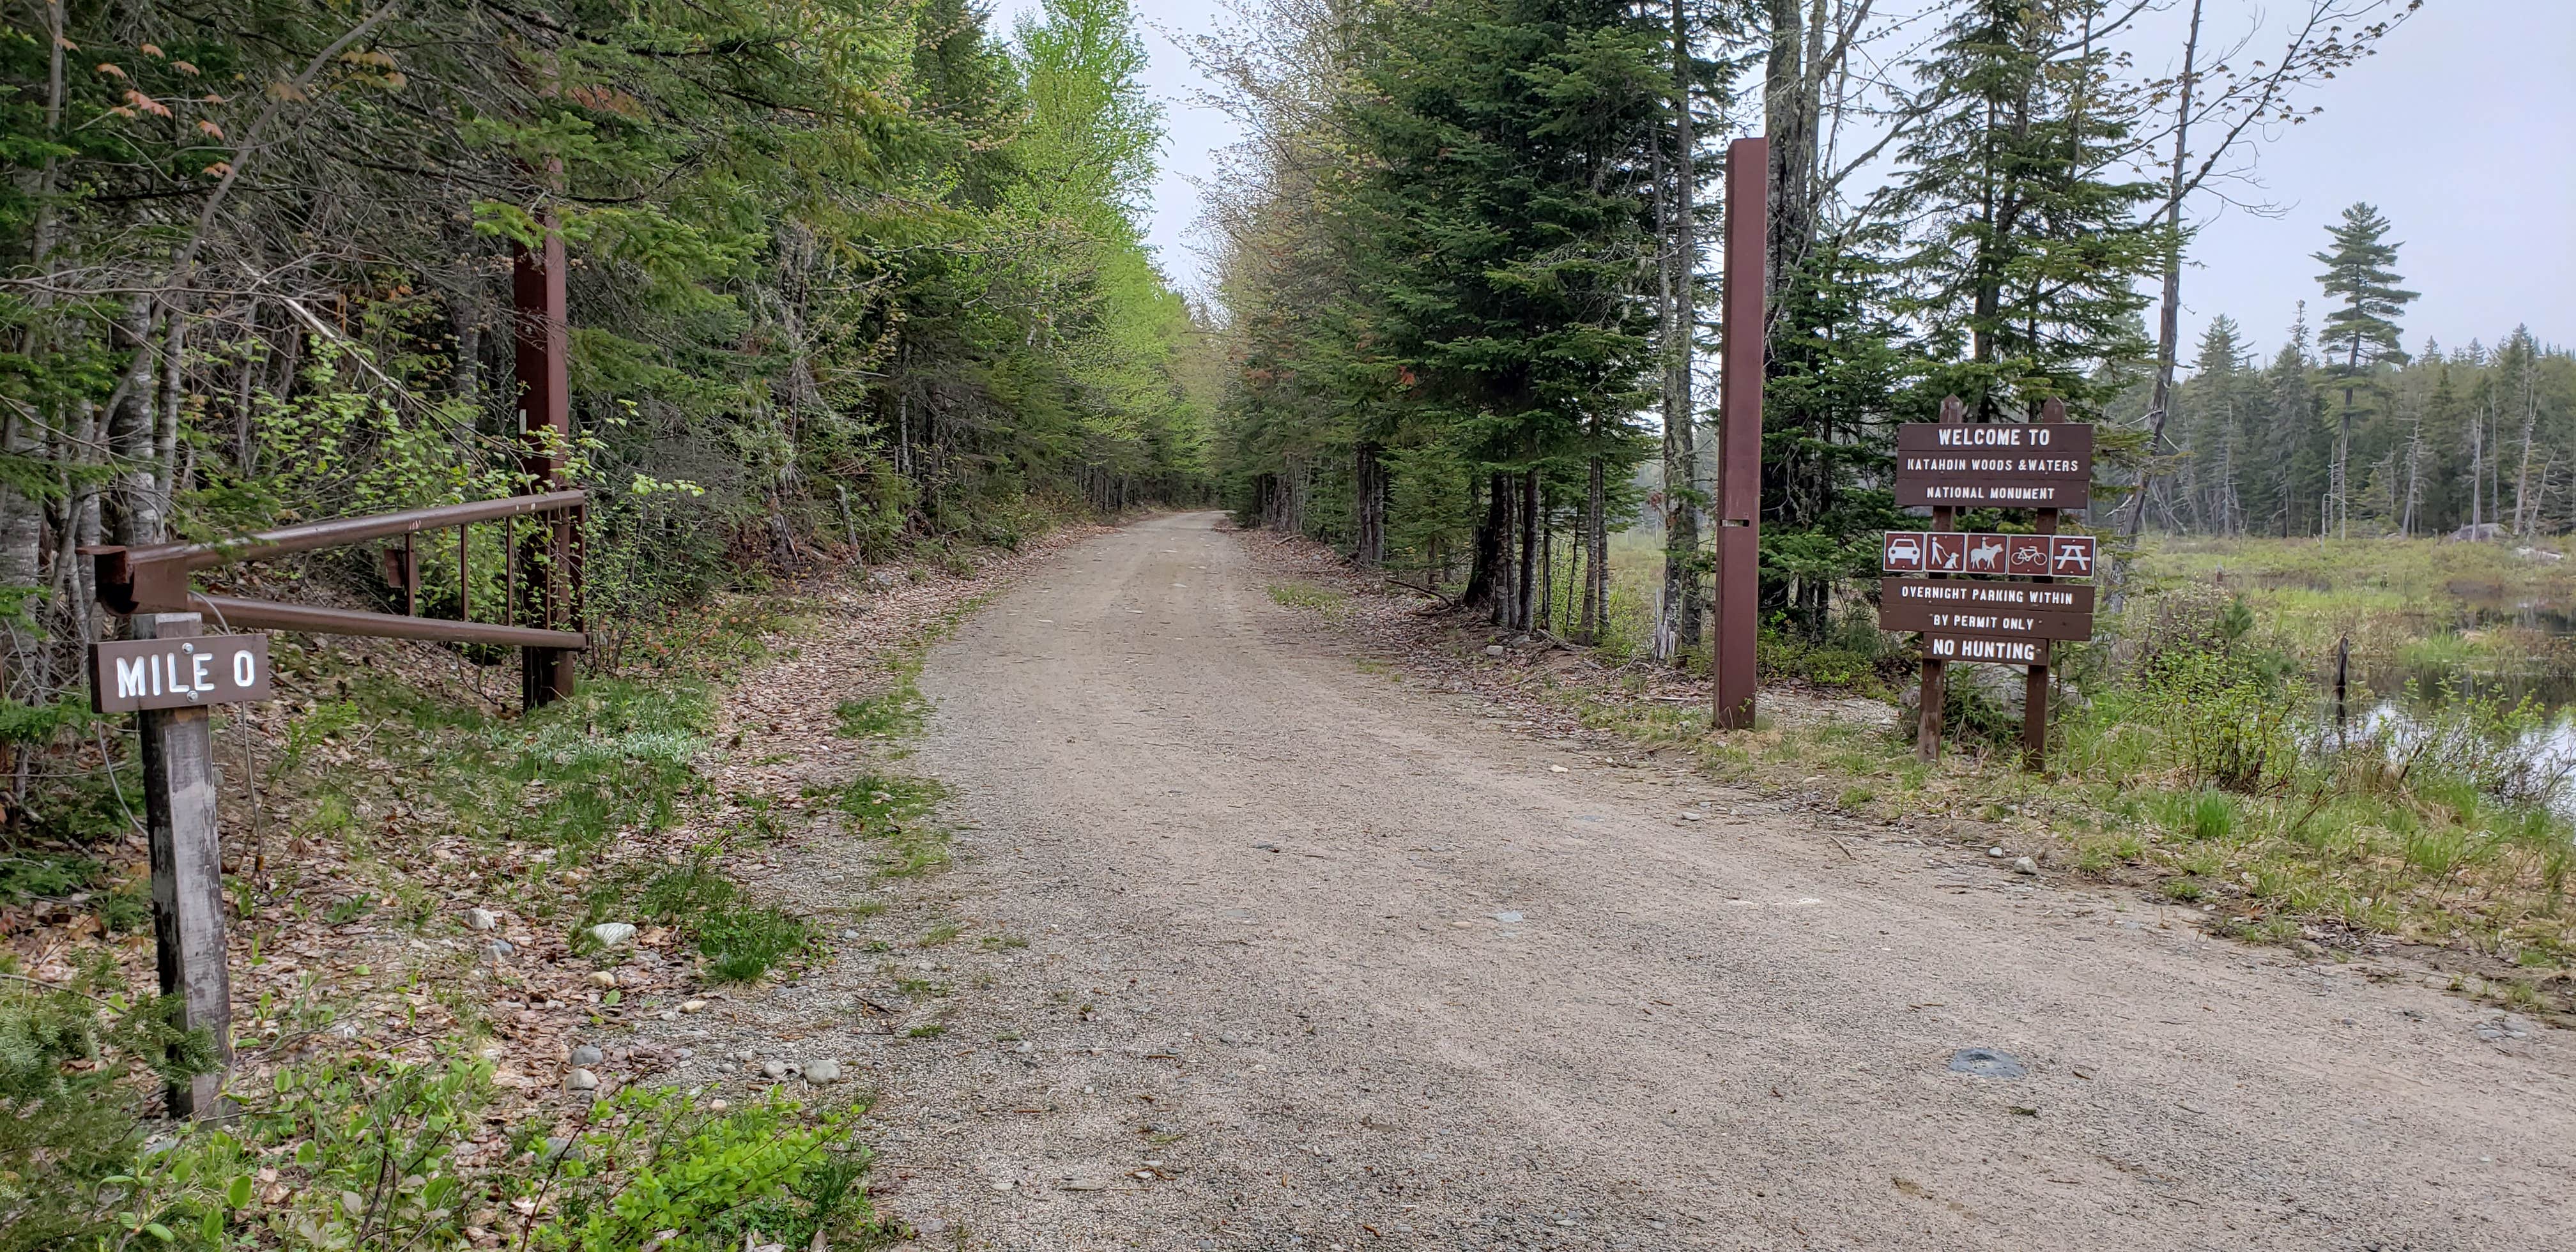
{"points": [[2074, 556]]}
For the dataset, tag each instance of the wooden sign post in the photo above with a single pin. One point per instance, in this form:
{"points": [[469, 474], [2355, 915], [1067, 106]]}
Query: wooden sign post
{"points": [[2045, 467], [170, 676]]}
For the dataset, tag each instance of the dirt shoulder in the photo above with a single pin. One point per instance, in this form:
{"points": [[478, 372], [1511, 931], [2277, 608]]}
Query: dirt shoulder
{"points": [[1255, 941]]}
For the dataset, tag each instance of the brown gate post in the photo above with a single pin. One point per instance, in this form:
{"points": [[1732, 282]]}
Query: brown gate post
{"points": [[187, 871], [1739, 435], [541, 335]]}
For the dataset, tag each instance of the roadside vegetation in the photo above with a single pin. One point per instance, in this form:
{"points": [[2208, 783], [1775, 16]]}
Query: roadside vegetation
{"points": [[2196, 754], [450, 904]]}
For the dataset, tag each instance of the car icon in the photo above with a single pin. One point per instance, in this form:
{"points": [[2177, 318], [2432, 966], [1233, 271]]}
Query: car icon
{"points": [[1902, 550]]}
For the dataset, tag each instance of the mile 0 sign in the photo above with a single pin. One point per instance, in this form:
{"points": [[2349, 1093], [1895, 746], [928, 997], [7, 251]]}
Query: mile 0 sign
{"points": [[180, 673]]}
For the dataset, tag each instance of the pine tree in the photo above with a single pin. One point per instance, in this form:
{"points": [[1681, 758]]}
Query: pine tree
{"points": [[2031, 246], [2363, 330]]}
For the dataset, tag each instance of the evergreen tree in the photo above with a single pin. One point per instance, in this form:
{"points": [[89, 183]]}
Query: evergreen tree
{"points": [[1500, 238], [2030, 244], [2362, 330]]}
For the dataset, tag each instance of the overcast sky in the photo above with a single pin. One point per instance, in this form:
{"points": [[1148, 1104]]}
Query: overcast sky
{"points": [[2462, 131]]}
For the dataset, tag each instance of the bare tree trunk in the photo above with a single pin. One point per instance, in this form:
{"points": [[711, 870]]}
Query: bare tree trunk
{"points": [[2169, 310], [1369, 502], [1528, 553], [1596, 540], [1678, 624], [2523, 516], [1488, 573]]}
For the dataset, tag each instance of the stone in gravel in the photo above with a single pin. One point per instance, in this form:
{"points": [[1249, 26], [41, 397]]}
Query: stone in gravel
{"points": [[849, 934], [773, 1070], [822, 1071], [498, 949], [581, 1079], [1229, 1041], [1996, 853], [1986, 1063], [746, 1055], [1493, 649], [604, 977], [586, 1054], [693, 1006], [2025, 865], [611, 934], [481, 919], [1507, 917], [1085, 1184]]}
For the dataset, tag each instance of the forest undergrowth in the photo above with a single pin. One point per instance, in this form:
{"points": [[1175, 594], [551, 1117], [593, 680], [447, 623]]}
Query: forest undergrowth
{"points": [[445, 926]]}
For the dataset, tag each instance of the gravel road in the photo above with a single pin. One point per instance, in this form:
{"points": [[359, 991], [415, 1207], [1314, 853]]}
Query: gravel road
{"points": [[1364, 969]]}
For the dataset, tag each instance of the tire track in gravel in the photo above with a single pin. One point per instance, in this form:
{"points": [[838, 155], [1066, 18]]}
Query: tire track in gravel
{"points": [[1362, 971]]}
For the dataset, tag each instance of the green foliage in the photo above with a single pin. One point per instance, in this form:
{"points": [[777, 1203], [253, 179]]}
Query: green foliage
{"points": [[70, 1060], [769, 1168]]}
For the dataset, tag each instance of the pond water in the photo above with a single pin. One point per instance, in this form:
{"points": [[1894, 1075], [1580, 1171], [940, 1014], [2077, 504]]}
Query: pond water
{"points": [[2401, 699]]}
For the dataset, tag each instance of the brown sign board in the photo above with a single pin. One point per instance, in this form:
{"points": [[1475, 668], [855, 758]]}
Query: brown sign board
{"points": [[1997, 610], [2022, 465], [178, 673], [1948, 552]]}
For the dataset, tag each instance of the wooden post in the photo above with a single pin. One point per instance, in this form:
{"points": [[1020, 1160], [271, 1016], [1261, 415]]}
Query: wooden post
{"points": [[187, 871], [1927, 722], [542, 339], [1741, 328], [2034, 687]]}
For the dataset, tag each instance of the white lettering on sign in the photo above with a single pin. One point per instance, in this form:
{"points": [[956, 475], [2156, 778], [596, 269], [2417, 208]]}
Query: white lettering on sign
{"points": [[130, 682], [1993, 435], [135, 675], [2008, 651], [1999, 593]]}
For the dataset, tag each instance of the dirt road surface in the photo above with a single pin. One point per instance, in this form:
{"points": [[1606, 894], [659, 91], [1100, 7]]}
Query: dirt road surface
{"points": [[1364, 970]]}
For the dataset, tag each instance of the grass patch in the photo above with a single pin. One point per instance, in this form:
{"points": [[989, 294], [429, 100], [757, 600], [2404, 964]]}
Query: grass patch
{"points": [[740, 941], [1323, 600], [896, 809]]}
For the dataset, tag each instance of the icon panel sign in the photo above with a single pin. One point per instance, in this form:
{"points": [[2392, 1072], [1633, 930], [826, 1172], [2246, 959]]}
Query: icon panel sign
{"points": [[2028, 556]]}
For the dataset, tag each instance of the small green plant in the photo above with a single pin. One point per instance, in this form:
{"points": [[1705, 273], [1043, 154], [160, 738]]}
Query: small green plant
{"points": [[939, 935]]}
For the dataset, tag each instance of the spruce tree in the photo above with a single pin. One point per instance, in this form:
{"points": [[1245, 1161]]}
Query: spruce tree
{"points": [[2029, 246], [2361, 331], [1502, 232]]}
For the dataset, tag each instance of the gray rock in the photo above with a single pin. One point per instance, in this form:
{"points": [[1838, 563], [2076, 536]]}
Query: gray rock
{"points": [[1084, 1184], [611, 934], [1986, 1063], [481, 919], [825, 1071], [1494, 649], [774, 1070], [581, 1080], [585, 1054], [2025, 865], [1996, 853], [498, 949]]}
